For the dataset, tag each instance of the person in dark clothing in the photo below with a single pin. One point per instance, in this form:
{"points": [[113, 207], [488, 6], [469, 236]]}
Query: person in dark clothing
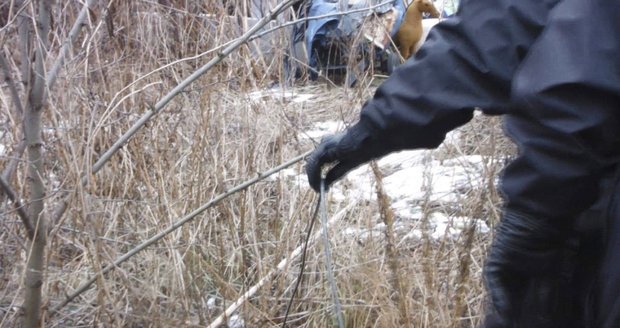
{"points": [[552, 68]]}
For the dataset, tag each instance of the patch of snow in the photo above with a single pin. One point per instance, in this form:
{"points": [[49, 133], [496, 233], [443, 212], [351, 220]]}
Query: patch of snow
{"points": [[302, 97], [452, 137], [322, 129], [452, 226], [415, 234], [236, 321], [410, 179], [211, 303], [279, 94]]}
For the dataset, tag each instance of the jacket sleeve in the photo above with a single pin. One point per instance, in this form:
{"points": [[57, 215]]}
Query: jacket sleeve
{"points": [[568, 94], [467, 62]]}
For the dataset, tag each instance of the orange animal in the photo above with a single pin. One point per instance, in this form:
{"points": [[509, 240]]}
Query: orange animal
{"points": [[410, 31]]}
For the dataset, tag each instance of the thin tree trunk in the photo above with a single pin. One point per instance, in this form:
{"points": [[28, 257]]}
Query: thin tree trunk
{"points": [[33, 280]]}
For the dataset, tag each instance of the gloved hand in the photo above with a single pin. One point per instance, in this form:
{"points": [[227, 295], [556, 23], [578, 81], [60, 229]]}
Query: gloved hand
{"points": [[347, 150], [527, 272]]}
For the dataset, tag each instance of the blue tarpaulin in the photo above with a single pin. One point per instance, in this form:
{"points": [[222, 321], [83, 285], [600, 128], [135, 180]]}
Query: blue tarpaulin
{"points": [[348, 24], [326, 39]]}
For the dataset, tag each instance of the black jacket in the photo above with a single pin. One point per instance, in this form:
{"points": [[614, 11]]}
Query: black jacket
{"points": [[551, 66]]}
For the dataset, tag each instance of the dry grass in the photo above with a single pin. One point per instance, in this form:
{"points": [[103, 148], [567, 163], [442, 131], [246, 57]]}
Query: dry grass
{"points": [[210, 138]]}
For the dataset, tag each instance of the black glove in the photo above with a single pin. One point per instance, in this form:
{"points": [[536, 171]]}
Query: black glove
{"points": [[348, 150], [527, 272]]}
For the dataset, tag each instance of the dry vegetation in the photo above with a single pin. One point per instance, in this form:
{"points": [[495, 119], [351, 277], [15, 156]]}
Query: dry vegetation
{"points": [[210, 138]]}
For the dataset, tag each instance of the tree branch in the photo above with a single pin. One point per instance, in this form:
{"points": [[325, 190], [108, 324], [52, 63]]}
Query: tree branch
{"points": [[11, 166], [15, 16], [8, 78], [64, 51], [21, 212]]}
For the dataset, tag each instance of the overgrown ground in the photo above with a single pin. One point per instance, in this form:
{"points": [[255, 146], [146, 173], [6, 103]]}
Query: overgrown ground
{"points": [[215, 135]]}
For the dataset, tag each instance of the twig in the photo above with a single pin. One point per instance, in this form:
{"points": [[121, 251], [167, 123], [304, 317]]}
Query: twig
{"points": [[21, 212], [233, 307], [8, 78], [189, 217], [18, 239], [174, 92], [15, 15], [10, 167], [64, 51]]}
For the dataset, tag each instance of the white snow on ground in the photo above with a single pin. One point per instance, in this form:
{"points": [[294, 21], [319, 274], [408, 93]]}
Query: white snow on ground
{"points": [[236, 321], [278, 93], [322, 129], [410, 178]]}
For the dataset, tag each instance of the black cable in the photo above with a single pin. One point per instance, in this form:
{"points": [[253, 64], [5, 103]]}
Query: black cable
{"points": [[303, 261]]}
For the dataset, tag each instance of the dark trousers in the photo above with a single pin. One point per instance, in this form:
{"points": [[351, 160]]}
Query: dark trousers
{"points": [[603, 308], [586, 294]]}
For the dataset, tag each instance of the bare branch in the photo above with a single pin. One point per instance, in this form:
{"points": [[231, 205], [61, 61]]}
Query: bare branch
{"points": [[42, 24], [64, 51], [4, 65], [15, 15], [24, 29], [189, 217], [21, 212], [11, 166], [174, 92]]}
